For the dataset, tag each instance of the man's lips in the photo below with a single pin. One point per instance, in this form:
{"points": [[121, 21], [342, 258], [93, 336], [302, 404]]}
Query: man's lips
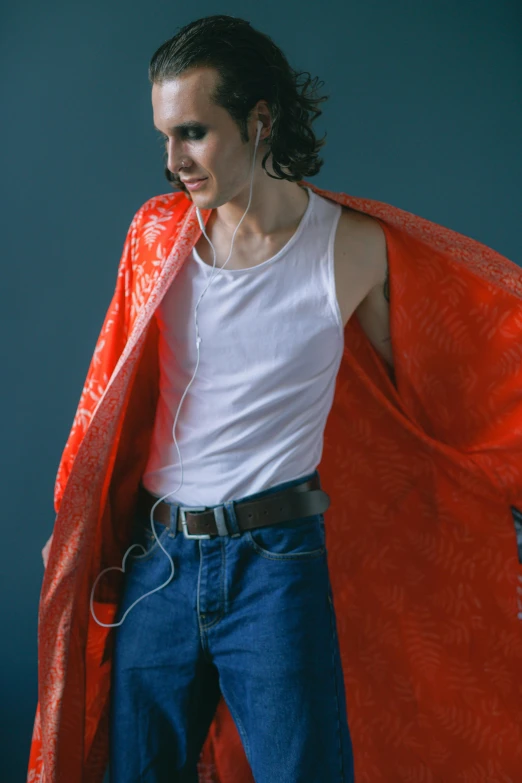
{"points": [[194, 184]]}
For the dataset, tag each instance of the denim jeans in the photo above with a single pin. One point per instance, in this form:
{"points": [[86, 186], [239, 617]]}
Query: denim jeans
{"points": [[248, 617]]}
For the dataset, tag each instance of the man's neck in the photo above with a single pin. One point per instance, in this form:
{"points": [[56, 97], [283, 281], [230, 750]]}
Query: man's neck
{"points": [[271, 217]]}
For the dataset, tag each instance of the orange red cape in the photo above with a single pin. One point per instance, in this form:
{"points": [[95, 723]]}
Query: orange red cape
{"points": [[424, 474]]}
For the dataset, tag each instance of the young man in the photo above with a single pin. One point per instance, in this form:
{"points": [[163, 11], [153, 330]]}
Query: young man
{"points": [[271, 343], [246, 348]]}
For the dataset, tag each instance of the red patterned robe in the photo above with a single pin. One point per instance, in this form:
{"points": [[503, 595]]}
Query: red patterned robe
{"points": [[422, 472]]}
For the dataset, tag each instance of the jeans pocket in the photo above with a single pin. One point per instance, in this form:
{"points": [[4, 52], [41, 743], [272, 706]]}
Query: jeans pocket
{"points": [[298, 539], [147, 541]]}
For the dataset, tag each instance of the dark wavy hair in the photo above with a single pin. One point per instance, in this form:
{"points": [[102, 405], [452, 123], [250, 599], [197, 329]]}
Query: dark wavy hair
{"points": [[251, 68]]}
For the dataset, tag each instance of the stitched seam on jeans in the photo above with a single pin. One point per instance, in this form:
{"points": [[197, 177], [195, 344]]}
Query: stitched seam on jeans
{"points": [[201, 635], [224, 580], [336, 687], [204, 626], [152, 550], [313, 553], [241, 729]]}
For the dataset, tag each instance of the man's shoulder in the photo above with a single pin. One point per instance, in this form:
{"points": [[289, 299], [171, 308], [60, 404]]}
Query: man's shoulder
{"points": [[361, 241]]}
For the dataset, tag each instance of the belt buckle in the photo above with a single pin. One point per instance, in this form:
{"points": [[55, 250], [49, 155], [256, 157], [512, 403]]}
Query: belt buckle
{"points": [[185, 509]]}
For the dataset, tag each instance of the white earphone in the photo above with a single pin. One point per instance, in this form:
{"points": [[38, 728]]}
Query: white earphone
{"points": [[198, 343]]}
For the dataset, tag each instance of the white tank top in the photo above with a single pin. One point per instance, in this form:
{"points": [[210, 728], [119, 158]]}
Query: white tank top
{"points": [[271, 344]]}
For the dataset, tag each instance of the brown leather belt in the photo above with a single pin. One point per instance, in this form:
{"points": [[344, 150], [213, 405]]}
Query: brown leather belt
{"points": [[300, 500]]}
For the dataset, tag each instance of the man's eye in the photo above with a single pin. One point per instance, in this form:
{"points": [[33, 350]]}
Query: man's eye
{"points": [[192, 133], [197, 134]]}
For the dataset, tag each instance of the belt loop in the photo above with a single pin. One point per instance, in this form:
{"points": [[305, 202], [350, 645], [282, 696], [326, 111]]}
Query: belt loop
{"points": [[232, 519], [173, 527], [221, 523]]}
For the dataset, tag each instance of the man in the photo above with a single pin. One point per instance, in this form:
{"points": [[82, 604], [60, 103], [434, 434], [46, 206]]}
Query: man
{"points": [[420, 508]]}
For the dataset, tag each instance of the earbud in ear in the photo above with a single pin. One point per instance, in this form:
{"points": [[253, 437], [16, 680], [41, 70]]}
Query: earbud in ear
{"points": [[259, 127]]}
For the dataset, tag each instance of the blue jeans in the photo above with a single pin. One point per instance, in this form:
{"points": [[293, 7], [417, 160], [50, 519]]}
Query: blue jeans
{"points": [[249, 617]]}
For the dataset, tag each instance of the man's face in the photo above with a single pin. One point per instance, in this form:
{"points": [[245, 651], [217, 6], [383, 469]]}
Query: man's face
{"points": [[211, 148]]}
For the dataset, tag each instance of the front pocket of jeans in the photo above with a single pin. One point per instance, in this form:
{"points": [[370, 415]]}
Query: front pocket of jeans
{"points": [[299, 539], [147, 541]]}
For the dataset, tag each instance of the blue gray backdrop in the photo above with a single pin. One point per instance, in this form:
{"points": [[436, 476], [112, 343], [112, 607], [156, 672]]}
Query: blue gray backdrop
{"points": [[425, 113]]}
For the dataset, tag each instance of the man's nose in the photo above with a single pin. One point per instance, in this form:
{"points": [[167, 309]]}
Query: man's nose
{"points": [[174, 156]]}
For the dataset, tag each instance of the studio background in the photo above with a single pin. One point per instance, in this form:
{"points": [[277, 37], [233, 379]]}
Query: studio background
{"points": [[425, 113]]}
